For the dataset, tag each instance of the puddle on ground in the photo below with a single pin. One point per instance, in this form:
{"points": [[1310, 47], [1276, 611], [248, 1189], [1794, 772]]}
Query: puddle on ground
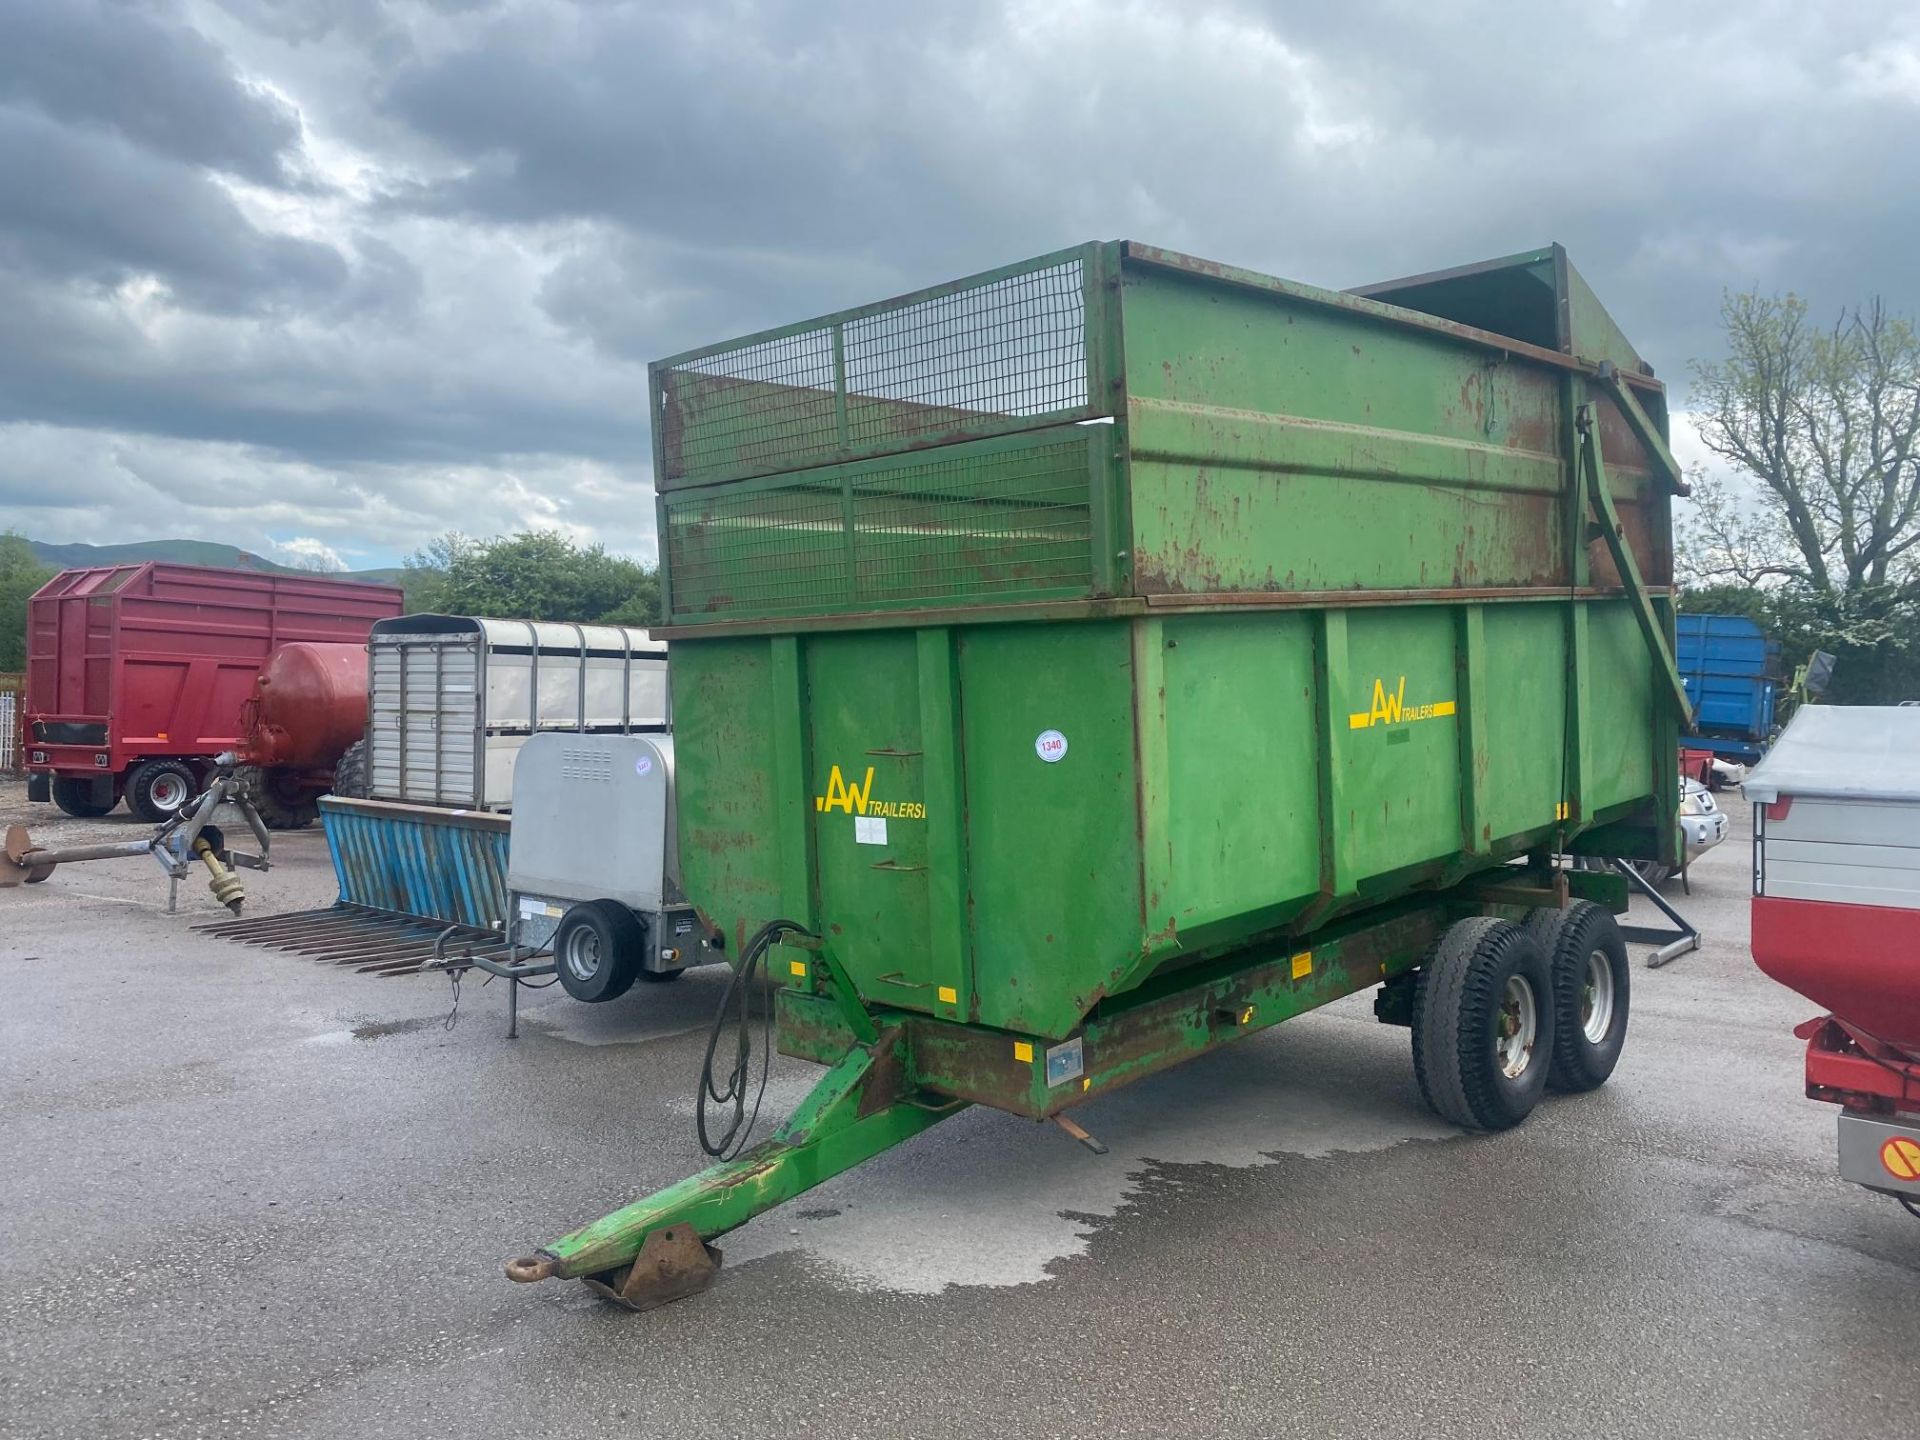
{"points": [[378, 1029], [989, 1199], [375, 1030]]}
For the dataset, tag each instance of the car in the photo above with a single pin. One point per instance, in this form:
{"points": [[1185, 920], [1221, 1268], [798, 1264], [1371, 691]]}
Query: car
{"points": [[1703, 825], [1702, 822]]}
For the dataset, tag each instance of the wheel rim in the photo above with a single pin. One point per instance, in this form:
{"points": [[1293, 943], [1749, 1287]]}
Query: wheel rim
{"points": [[167, 792], [1596, 998], [1518, 1025], [582, 954]]}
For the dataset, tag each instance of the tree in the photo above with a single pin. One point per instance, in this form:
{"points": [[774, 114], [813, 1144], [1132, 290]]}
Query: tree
{"points": [[535, 575], [423, 575], [21, 573], [1825, 530]]}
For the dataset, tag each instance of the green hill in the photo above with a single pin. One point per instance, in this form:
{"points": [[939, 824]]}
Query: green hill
{"points": [[183, 552]]}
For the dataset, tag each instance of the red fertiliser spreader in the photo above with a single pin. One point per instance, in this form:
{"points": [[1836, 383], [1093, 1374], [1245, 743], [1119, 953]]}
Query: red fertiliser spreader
{"points": [[1836, 916]]}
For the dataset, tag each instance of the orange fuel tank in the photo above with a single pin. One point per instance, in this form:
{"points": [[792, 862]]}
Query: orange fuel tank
{"points": [[307, 706]]}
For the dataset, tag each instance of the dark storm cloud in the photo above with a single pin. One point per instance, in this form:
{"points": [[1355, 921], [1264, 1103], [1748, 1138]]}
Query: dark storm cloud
{"points": [[138, 73], [436, 235], [1675, 154], [116, 122], [80, 204]]}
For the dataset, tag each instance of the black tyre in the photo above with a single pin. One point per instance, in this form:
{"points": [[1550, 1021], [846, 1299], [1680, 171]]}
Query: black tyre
{"points": [[1592, 984], [83, 799], [1483, 1024], [350, 772], [597, 950], [282, 804], [156, 789]]}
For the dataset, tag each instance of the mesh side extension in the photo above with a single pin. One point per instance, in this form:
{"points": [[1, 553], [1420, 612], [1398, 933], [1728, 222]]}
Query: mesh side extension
{"points": [[989, 355], [966, 525], [753, 409]]}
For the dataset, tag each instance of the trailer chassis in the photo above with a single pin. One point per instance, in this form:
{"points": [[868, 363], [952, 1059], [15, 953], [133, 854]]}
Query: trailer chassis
{"points": [[894, 1073]]}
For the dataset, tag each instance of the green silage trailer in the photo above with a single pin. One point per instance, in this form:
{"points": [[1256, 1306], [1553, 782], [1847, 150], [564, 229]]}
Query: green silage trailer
{"points": [[1089, 663]]}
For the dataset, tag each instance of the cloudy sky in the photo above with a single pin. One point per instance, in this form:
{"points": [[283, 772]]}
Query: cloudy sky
{"points": [[335, 276]]}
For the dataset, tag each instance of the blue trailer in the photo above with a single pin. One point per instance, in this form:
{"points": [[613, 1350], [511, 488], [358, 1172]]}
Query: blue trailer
{"points": [[1730, 669]]}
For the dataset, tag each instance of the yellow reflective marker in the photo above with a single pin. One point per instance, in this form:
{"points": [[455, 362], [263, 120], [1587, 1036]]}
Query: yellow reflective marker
{"points": [[1246, 1014], [1901, 1157], [949, 995], [1303, 965], [797, 969], [1023, 1052], [1562, 810]]}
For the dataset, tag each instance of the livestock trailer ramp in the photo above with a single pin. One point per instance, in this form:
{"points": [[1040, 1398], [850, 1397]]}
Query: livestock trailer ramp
{"points": [[1085, 665]]}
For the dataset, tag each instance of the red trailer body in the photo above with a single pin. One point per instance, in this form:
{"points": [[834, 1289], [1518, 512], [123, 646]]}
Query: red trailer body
{"points": [[137, 674], [1836, 916]]}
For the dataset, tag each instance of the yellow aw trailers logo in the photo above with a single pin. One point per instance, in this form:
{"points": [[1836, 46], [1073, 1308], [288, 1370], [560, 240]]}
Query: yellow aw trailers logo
{"points": [[858, 799], [1390, 708]]}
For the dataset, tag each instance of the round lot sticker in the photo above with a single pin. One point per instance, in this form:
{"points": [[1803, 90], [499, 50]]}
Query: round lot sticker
{"points": [[1051, 746], [643, 765]]}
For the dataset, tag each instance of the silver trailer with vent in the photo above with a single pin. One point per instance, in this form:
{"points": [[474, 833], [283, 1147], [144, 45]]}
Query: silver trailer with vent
{"points": [[453, 698], [594, 874], [593, 878]]}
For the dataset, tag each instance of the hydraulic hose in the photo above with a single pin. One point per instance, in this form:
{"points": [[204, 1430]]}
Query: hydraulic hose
{"points": [[739, 1004]]}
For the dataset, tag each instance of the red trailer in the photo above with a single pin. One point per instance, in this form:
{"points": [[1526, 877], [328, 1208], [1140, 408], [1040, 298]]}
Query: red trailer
{"points": [[1836, 916], [137, 674]]}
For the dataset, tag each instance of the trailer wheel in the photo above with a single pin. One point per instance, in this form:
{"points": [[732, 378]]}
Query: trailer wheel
{"points": [[1591, 989], [1483, 1024], [350, 772], [82, 798], [597, 950], [281, 805], [156, 789]]}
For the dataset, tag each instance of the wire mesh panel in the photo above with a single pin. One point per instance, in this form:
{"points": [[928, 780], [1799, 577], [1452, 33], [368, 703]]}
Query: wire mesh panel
{"points": [[9, 731], [991, 521], [1016, 521], [753, 409], [759, 551], [1013, 347], [1002, 351]]}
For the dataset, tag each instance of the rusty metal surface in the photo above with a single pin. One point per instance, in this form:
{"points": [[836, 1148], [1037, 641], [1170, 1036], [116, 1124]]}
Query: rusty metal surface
{"points": [[373, 942], [1357, 303], [673, 1263]]}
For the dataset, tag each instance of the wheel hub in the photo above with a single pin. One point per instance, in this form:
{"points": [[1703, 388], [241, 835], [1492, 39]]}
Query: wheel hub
{"points": [[1596, 998], [582, 954], [1516, 1027]]}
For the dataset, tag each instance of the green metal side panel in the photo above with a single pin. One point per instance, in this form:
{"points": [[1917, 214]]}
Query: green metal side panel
{"points": [[1224, 775], [869, 790], [727, 797], [1396, 800], [1523, 756], [1262, 425], [1618, 761], [1054, 847], [1242, 833]]}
